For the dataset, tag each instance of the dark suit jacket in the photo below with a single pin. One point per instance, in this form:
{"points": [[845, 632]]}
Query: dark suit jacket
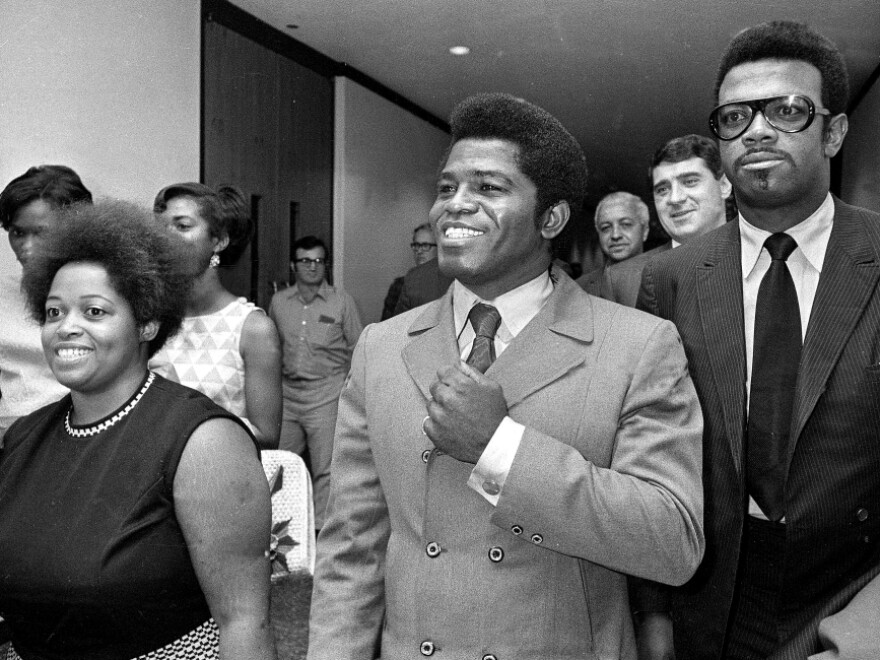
{"points": [[595, 283], [422, 284], [623, 278], [833, 487]]}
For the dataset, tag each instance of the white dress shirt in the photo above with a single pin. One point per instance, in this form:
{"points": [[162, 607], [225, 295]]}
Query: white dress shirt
{"points": [[804, 264], [517, 308]]}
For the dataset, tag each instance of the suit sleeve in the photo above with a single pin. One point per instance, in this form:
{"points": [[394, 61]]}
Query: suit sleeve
{"points": [[646, 300], [647, 595], [643, 514], [348, 601]]}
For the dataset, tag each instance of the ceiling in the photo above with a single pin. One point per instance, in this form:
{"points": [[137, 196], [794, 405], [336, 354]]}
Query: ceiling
{"points": [[622, 75]]}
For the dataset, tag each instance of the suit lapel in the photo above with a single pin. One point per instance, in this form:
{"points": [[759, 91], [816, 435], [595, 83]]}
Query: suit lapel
{"points": [[545, 349], [432, 343], [849, 277], [719, 296], [540, 354]]}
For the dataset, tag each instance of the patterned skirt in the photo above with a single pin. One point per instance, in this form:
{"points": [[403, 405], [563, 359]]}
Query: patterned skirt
{"points": [[202, 643]]}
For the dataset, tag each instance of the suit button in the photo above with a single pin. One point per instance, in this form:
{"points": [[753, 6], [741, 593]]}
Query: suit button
{"points": [[496, 554], [433, 549], [425, 455], [489, 656], [426, 647], [516, 529], [862, 515], [537, 539], [491, 487]]}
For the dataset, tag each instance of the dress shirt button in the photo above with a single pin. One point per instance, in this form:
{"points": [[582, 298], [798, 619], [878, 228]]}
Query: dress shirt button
{"points": [[516, 529], [496, 554], [489, 656], [426, 455], [432, 549], [537, 539], [491, 487], [426, 647], [862, 515]]}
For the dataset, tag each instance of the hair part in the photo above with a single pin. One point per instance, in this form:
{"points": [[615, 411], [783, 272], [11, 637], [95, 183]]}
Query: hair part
{"points": [[225, 209], [686, 147], [546, 152], [141, 260], [640, 209], [57, 185], [790, 40]]}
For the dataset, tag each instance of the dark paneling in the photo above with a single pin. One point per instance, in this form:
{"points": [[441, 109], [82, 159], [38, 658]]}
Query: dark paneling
{"points": [[267, 128]]}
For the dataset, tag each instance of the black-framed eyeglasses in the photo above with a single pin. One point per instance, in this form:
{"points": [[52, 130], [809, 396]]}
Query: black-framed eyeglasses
{"points": [[305, 261], [422, 247], [792, 113]]}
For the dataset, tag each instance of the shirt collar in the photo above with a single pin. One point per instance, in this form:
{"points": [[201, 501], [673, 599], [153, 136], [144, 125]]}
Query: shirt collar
{"points": [[517, 306], [323, 289], [811, 236]]}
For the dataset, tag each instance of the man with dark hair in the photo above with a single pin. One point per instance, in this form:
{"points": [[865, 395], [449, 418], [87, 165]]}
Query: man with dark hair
{"points": [[780, 314], [501, 463], [319, 326], [690, 195]]}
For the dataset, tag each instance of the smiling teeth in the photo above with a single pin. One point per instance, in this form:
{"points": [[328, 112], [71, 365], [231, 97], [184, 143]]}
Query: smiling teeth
{"points": [[461, 232], [71, 353]]}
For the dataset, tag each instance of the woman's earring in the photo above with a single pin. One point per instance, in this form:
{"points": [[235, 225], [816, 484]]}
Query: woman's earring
{"points": [[215, 260]]}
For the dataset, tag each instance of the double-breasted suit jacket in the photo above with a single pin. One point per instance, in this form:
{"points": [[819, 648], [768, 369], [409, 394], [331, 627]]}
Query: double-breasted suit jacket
{"points": [[606, 482], [832, 493]]}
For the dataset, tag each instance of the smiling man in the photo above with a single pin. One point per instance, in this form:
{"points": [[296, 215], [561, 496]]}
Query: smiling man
{"points": [[506, 454], [690, 192], [780, 314]]}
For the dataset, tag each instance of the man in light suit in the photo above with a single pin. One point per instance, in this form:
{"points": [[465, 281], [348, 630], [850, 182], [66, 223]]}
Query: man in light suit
{"points": [[622, 225], [690, 192], [496, 515], [802, 531]]}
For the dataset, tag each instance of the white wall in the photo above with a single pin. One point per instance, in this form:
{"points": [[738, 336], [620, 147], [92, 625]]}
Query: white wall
{"points": [[385, 172], [110, 88], [860, 181]]}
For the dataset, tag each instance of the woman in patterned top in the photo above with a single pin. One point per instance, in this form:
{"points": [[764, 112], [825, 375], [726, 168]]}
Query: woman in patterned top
{"points": [[227, 348], [135, 512]]}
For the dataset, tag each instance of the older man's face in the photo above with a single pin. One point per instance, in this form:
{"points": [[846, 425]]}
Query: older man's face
{"points": [[621, 232]]}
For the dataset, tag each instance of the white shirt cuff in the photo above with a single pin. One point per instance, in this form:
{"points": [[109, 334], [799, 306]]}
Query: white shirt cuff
{"points": [[490, 472]]}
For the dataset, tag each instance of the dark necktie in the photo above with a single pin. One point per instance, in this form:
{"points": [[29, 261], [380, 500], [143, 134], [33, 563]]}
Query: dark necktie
{"points": [[775, 358], [485, 319]]}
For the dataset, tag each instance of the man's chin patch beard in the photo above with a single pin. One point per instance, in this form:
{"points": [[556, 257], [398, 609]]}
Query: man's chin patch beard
{"points": [[763, 181]]}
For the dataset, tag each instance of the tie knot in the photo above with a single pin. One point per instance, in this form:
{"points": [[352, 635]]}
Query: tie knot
{"points": [[780, 246], [485, 320]]}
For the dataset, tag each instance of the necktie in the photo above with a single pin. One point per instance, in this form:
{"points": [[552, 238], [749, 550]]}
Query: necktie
{"points": [[485, 320], [775, 358]]}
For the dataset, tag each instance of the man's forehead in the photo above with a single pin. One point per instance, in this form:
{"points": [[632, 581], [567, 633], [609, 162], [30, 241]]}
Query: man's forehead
{"points": [[770, 77], [665, 170], [315, 252]]}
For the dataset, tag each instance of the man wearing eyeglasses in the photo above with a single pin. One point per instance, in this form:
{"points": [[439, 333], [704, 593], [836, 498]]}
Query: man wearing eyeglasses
{"points": [[424, 248], [319, 326], [779, 313]]}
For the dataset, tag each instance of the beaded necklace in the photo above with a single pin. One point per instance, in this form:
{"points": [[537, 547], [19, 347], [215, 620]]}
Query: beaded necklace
{"points": [[88, 431]]}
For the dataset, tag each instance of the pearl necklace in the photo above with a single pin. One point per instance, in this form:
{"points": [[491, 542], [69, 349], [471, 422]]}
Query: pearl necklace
{"points": [[88, 431]]}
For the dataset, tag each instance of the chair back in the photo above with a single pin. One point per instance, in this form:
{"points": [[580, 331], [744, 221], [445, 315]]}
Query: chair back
{"points": [[292, 547]]}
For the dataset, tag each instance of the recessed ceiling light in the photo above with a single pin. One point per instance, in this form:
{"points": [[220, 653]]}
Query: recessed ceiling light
{"points": [[459, 50]]}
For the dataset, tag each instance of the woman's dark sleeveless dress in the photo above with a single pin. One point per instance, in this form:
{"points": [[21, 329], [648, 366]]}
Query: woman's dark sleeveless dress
{"points": [[93, 564]]}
